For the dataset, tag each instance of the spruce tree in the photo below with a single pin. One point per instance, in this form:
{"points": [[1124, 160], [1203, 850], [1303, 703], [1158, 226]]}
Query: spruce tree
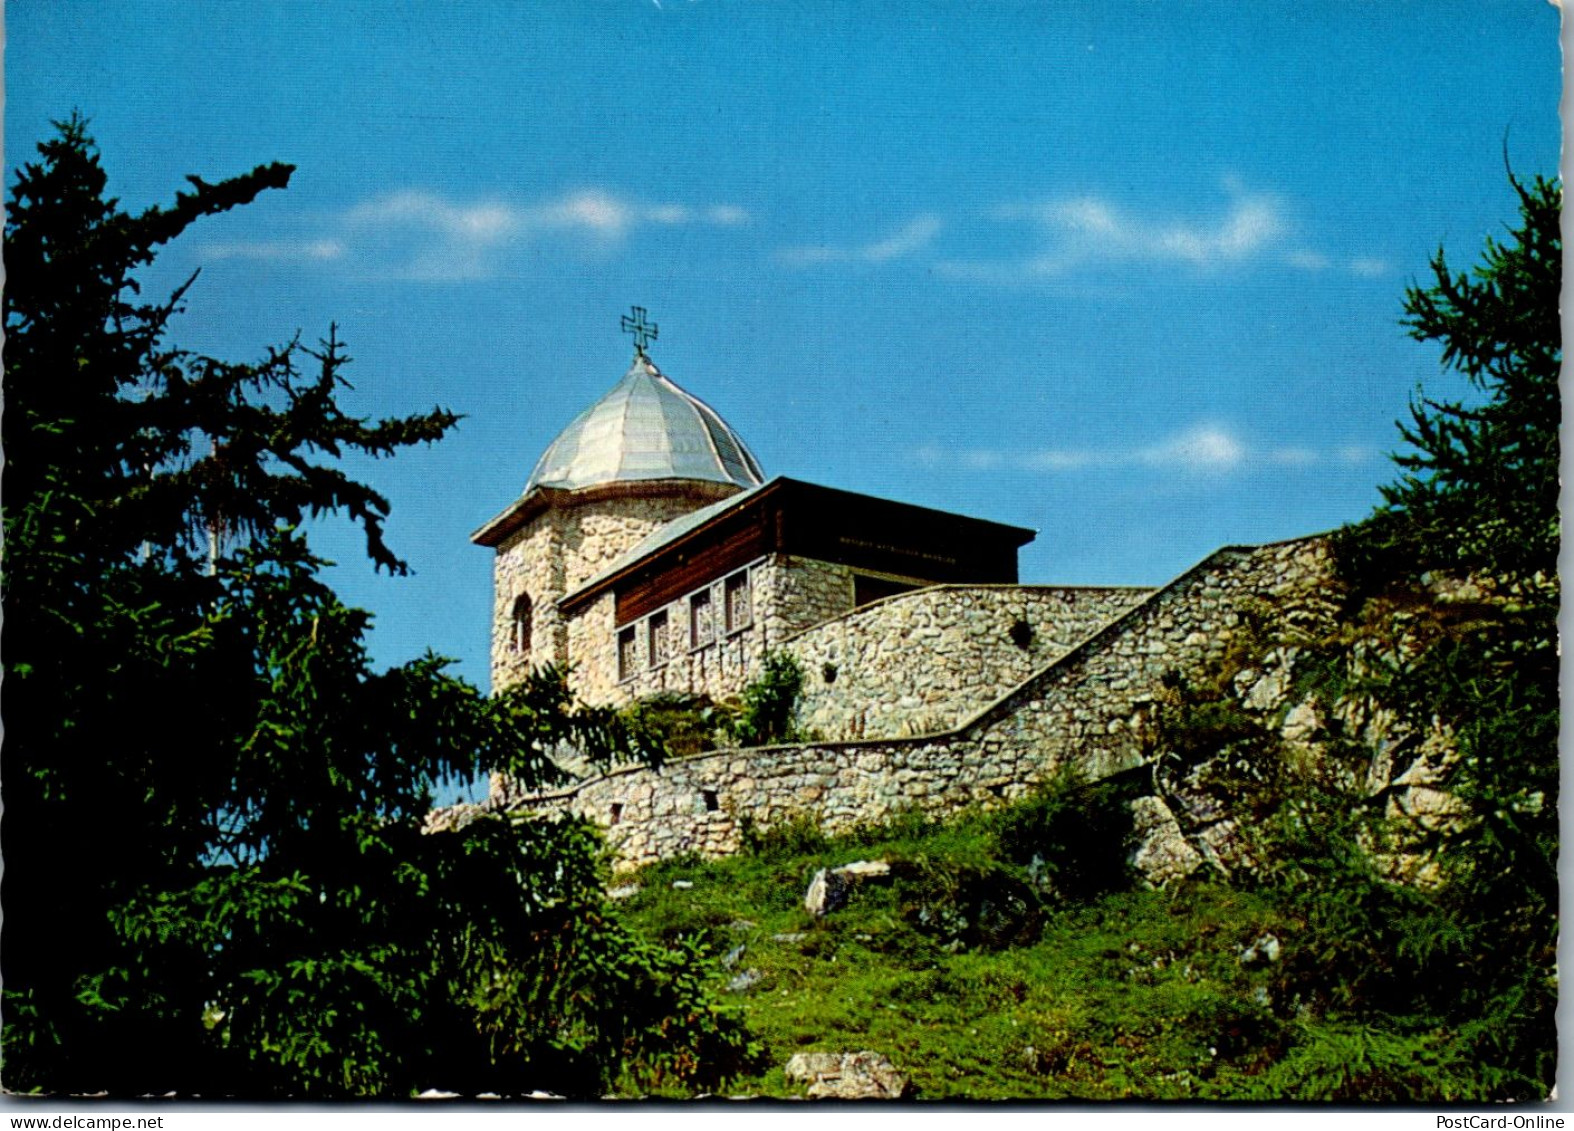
{"points": [[217, 879]]}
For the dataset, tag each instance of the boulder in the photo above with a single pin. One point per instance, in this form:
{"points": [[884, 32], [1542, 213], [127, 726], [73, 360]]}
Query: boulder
{"points": [[847, 1076], [1163, 853], [829, 888], [745, 980], [1263, 951]]}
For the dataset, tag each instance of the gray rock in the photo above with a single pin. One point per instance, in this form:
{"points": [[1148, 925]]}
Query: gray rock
{"points": [[789, 937], [745, 980], [830, 887], [682, 885], [1163, 853], [827, 891], [1262, 951], [623, 891], [847, 1076], [730, 959], [865, 869]]}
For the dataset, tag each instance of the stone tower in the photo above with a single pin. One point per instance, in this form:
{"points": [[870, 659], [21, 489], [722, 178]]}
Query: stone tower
{"points": [[643, 455]]}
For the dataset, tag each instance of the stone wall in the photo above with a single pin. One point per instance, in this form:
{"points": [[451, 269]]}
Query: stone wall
{"points": [[922, 662], [1090, 708], [531, 562], [555, 553], [785, 595]]}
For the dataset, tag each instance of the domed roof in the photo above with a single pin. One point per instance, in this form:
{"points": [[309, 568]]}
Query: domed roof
{"points": [[646, 428]]}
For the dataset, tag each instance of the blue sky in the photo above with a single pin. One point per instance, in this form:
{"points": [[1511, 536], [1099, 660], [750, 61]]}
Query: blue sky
{"points": [[1127, 274]]}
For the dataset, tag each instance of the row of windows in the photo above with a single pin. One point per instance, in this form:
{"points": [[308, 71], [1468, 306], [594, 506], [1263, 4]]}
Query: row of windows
{"points": [[702, 624]]}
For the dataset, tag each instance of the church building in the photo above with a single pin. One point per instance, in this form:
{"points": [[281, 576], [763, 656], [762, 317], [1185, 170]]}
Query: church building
{"points": [[650, 552]]}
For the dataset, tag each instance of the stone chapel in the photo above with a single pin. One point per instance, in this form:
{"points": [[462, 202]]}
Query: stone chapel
{"points": [[649, 551]]}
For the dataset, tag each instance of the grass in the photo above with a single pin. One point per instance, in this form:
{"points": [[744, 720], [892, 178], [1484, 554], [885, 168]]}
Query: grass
{"points": [[1011, 956], [975, 982]]}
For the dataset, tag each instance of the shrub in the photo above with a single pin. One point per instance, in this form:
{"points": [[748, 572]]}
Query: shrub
{"points": [[674, 721], [770, 703], [1072, 837]]}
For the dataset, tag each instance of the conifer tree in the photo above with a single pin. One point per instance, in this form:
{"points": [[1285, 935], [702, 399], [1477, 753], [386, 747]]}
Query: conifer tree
{"points": [[216, 877]]}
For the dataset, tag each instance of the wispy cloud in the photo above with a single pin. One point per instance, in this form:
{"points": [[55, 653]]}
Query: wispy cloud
{"points": [[1203, 450], [913, 237], [1100, 228], [419, 234], [278, 251], [1075, 235], [1091, 229]]}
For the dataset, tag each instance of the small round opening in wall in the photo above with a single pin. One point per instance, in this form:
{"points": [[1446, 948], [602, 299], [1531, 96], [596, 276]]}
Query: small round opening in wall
{"points": [[1021, 633], [828, 672]]}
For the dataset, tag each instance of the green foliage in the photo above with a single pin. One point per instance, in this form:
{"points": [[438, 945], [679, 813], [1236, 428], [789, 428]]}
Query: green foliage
{"points": [[1452, 630], [1072, 838], [1480, 489], [1130, 994], [676, 722], [217, 879], [800, 836], [770, 703]]}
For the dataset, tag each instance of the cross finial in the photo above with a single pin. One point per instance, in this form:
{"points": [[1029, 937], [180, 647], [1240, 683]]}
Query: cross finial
{"points": [[644, 332]]}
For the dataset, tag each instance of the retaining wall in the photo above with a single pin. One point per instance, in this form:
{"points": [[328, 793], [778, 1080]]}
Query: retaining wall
{"points": [[925, 661], [1089, 708]]}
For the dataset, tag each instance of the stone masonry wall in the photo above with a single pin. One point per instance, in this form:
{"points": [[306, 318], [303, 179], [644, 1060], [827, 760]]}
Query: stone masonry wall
{"points": [[786, 594], [1089, 708], [553, 554], [922, 662]]}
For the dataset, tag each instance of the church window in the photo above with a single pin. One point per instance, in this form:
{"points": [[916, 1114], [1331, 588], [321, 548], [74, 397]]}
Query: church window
{"points": [[520, 626], [626, 653], [739, 607], [660, 645], [702, 626]]}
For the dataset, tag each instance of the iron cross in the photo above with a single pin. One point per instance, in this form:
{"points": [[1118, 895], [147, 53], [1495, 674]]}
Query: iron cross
{"points": [[644, 332]]}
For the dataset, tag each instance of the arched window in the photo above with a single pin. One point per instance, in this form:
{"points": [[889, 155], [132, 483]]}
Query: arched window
{"points": [[519, 626]]}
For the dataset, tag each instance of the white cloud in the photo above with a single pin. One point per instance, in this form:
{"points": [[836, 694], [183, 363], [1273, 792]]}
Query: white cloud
{"points": [[278, 251], [482, 223], [1206, 449], [1368, 267], [433, 236], [1092, 228], [726, 215], [1078, 232], [591, 211], [1202, 449], [913, 237]]}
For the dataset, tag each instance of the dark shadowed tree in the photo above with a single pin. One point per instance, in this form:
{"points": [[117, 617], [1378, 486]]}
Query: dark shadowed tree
{"points": [[216, 876]]}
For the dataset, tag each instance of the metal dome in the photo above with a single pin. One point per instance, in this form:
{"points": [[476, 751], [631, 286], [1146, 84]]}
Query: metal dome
{"points": [[646, 428]]}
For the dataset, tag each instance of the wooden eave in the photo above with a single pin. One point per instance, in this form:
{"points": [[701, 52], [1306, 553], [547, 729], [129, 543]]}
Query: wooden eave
{"points": [[678, 545], [788, 497]]}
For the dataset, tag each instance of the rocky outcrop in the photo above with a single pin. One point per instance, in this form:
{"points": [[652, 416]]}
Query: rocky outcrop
{"points": [[847, 1076]]}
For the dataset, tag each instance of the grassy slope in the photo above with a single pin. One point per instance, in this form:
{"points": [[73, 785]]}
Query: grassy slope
{"points": [[1131, 994]]}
